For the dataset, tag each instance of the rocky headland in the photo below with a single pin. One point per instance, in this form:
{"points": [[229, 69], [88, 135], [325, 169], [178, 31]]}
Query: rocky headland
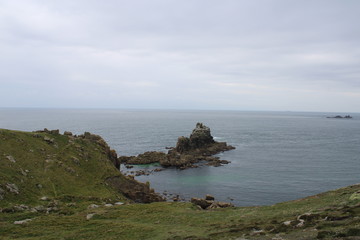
{"points": [[48, 163], [200, 146]]}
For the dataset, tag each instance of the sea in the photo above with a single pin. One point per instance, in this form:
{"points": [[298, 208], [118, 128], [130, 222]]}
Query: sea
{"points": [[279, 156]]}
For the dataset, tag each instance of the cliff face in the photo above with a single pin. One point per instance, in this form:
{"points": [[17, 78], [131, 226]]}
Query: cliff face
{"points": [[47, 164]]}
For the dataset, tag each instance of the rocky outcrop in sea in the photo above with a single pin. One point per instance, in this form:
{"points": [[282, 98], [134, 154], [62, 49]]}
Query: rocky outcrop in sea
{"points": [[200, 146], [341, 117]]}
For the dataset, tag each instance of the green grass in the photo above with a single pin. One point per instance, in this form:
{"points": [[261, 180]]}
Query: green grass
{"points": [[185, 221], [334, 214], [68, 167]]}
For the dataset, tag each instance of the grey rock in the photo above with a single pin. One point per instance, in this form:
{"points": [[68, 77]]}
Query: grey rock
{"points": [[308, 217], [20, 208], [55, 131], [90, 216], [108, 205], [214, 205], [23, 172], [39, 208], [200, 136], [11, 158], [11, 187], [287, 223], [23, 221], [224, 204], [209, 197], [93, 206], [51, 209], [201, 202], [67, 133], [2, 193], [76, 161], [49, 140]]}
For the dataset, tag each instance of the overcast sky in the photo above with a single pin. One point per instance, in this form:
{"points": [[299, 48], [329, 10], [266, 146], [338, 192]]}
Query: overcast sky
{"points": [[181, 54]]}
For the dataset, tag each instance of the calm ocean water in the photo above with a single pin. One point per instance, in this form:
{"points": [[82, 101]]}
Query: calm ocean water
{"points": [[279, 156]]}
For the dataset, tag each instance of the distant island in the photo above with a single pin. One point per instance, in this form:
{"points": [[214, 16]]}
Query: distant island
{"points": [[341, 117]]}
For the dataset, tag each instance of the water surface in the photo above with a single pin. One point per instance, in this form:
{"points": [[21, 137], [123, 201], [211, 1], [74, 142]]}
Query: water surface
{"points": [[279, 156]]}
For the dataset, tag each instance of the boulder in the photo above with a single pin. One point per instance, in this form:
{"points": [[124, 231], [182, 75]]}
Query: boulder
{"points": [[91, 206], [90, 216], [22, 221], [11, 158], [39, 208], [56, 132], [49, 140], [2, 193], [20, 208], [224, 204], [209, 197], [204, 204], [11, 187], [67, 133]]}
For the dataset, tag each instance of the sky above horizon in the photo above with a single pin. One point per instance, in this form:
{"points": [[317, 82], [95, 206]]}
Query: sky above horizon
{"points": [[275, 55]]}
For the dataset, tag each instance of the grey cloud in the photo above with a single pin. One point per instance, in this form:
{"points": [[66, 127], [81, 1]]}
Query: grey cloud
{"points": [[181, 54]]}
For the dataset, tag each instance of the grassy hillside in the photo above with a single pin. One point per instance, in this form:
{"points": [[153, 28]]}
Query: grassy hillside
{"points": [[59, 185], [53, 166]]}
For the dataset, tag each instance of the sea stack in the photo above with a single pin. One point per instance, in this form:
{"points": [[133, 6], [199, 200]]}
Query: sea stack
{"points": [[200, 146]]}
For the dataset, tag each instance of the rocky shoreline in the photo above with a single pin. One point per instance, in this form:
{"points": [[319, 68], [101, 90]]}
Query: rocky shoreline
{"points": [[189, 151]]}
